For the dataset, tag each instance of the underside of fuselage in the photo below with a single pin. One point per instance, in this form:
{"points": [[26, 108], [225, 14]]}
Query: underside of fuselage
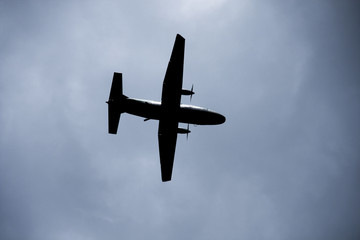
{"points": [[184, 114]]}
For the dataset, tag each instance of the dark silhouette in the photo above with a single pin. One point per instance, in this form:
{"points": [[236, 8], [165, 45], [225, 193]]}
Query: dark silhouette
{"points": [[169, 111]]}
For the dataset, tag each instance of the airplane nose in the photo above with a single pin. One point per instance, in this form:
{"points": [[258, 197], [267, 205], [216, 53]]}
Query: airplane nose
{"points": [[222, 119]]}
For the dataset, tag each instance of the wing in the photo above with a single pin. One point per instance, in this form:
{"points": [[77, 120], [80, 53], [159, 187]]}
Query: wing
{"points": [[170, 103], [167, 144], [171, 92]]}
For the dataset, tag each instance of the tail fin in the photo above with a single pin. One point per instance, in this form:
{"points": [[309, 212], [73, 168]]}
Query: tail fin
{"points": [[114, 104]]}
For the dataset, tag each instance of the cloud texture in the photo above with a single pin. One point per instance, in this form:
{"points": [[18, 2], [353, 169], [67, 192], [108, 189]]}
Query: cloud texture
{"points": [[285, 165]]}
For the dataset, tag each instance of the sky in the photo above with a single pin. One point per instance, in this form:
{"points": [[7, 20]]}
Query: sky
{"points": [[285, 164]]}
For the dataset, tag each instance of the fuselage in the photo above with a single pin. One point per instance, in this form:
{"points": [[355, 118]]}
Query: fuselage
{"points": [[185, 113]]}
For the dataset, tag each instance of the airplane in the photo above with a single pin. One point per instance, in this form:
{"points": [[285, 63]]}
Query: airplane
{"points": [[170, 112]]}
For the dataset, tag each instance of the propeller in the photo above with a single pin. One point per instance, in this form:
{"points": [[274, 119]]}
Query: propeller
{"points": [[192, 88], [187, 133], [188, 92]]}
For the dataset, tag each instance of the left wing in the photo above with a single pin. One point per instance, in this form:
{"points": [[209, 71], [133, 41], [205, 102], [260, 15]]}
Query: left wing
{"points": [[167, 143], [171, 92], [170, 103]]}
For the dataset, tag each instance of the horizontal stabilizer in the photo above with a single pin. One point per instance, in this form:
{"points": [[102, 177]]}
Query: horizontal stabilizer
{"points": [[114, 118], [116, 87], [114, 103]]}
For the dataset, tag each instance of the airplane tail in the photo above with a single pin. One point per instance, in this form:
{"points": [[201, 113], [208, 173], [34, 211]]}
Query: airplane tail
{"points": [[116, 98]]}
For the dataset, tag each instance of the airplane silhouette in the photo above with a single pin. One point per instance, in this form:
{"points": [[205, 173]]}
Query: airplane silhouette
{"points": [[169, 111]]}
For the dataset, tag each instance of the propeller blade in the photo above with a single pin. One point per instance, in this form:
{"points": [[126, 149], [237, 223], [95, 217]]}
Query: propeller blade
{"points": [[192, 88], [187, 134]]}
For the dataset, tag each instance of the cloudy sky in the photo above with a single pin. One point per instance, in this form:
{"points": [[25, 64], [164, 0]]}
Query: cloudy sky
{"points": [[285, 165]]}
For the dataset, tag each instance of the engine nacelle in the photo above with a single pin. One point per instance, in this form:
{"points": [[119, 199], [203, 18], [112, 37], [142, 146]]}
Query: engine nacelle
{"points": [[183, 131], [186, 92]]}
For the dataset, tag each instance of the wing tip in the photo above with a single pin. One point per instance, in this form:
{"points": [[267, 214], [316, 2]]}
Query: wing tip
{"points": [[166, 179], [178, 36]]}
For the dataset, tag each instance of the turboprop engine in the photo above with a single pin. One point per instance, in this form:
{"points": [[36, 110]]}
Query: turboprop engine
{"points": [[183, 131], [188, 92]]}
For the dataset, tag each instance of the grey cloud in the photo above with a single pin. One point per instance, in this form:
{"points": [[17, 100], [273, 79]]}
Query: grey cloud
{"points": [[284, 165]]}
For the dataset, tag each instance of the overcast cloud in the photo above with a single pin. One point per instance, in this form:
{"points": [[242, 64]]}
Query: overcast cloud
{"points": [[285, 165]]}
